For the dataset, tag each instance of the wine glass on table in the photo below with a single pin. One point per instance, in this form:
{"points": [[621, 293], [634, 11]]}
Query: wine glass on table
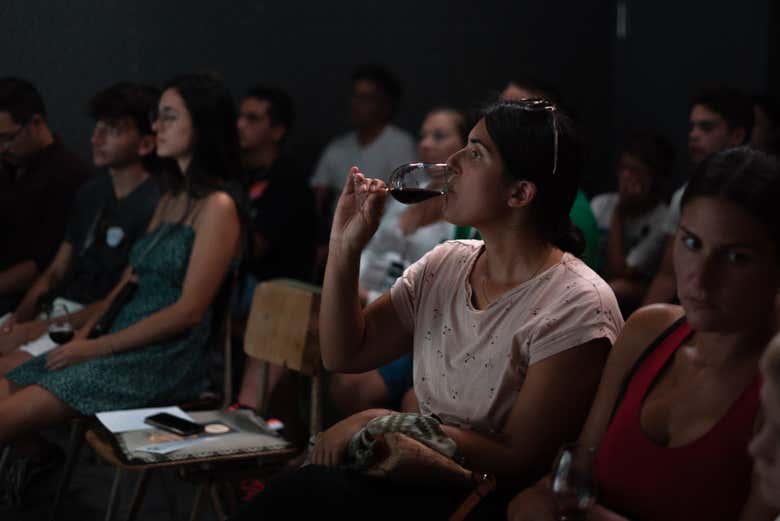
{"points": [[60, 328], [416, 182], [572, 482]]}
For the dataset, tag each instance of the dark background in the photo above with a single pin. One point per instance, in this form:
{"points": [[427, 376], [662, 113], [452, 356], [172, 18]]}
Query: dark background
{"points": [[446, 52]]}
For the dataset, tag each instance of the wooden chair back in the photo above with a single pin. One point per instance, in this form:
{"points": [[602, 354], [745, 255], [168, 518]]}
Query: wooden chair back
{"points": [[283, 329]]}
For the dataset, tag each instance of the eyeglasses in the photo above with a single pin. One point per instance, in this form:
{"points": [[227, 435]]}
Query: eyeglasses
{"points": [[7, 138], [163, 118], [113, 129], [539, 105]]}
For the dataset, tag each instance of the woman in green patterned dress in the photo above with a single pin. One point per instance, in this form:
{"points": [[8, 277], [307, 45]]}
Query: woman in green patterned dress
{"points": [[156, 350]]}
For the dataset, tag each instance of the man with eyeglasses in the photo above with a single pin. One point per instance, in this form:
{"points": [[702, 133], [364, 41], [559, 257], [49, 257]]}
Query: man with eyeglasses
{"points": [[38, 178], [109, 213], [719, 118]]}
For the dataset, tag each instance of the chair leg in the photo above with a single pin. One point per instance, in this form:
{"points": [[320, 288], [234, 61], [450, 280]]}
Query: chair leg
{"points": [[230, 495], [197, 502], [138, 495], [6, 454], [216, 502], [113, 497], [75, 443]]}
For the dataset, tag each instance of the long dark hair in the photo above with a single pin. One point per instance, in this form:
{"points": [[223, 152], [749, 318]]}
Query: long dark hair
{"points": [[215, 161], [743, 176], [525, 134]]}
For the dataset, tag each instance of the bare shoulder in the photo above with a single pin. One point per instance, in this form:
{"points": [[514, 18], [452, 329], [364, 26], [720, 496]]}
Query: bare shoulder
{"points": [[641, 329], [218, 207]]}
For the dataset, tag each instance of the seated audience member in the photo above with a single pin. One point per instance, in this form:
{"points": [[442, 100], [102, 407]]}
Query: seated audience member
{"points": [[281, 203], [375, 143], [509, 334], [679, 399], [38, 179], [281, 206], [109, 213], [581, 214], [632, 238], [405, 234], [156, 350], [720, 118], [765, 446], [766, 124]]}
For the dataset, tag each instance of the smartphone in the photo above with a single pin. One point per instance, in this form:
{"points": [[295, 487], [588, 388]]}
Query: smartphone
{"points": [[174, 424]]}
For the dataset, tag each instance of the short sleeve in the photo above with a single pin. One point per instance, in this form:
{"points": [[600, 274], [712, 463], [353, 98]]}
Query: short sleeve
{"points": [[323, 173], [672, 220], [586, 314], [645, 256], [603, 205]]}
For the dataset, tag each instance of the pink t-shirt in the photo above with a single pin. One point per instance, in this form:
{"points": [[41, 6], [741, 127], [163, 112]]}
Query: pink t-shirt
{"points": [[469, 364]]}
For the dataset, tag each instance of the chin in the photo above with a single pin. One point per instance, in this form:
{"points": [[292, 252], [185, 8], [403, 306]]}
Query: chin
{"points": [[705, 320]]}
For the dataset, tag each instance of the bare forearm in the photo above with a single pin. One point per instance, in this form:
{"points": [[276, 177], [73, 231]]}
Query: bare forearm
{"points": [[81, 317], [341, 318], [616, 258], [664, 286], [162, 325], [516, 464], [18, 278]]}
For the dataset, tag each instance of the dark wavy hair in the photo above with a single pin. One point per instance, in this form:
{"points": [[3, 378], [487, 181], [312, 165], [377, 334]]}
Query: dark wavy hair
{"points": [[128, 100], [525, 133], [733, 105], [215, 161], [655, 151], [20, 99], [743, 176]]}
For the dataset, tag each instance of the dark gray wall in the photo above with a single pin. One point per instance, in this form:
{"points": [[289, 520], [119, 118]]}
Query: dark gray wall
{"points": [[446, 52], [674, 48]]}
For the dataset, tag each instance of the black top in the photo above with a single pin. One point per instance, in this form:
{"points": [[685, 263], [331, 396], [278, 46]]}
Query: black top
{"points": [[34, 202], [101, 230], [282, 211]]}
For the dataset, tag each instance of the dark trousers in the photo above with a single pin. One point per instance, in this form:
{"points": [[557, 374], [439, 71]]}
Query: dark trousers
{"points": [[316, 492]]}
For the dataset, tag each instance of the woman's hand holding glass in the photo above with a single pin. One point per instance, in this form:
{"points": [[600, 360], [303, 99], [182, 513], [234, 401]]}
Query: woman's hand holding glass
{"points": [[358, 212]]}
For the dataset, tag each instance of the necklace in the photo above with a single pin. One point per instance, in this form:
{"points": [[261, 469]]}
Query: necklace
{"points": [[483, 284]]}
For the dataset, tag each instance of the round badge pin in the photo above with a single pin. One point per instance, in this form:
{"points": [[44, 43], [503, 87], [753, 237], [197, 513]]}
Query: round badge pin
{"points": [[216, 428], [114, 236]]}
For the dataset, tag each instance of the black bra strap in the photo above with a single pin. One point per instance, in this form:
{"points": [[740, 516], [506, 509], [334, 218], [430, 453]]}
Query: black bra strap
{"points": [[641, 360]]}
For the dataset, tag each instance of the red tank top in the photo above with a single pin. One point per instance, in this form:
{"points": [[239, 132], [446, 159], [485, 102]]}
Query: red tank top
{"points": [[708, 478]]}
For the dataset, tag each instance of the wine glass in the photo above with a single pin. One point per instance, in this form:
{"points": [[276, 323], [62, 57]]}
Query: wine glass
{"points": [[572, 482], [60, 328], [416, 182]]}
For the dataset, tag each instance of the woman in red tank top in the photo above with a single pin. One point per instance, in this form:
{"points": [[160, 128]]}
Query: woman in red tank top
{"points": [[679, 398]]}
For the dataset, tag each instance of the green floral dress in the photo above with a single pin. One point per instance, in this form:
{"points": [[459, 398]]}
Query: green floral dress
{"points": [[156, 374]]}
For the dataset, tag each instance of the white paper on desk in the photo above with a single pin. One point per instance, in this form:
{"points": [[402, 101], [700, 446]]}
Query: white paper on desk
{"points": [[170, 446], [133, 419]]}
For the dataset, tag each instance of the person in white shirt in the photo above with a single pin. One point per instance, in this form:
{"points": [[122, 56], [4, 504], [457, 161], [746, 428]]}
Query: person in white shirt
{"points": [[720, 118], [374, 144], [630, 220]]}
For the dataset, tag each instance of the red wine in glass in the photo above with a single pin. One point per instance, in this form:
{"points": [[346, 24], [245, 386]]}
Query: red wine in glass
{"points": [[61, 337], [60, 329], [413, 195], [416, 182]]}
